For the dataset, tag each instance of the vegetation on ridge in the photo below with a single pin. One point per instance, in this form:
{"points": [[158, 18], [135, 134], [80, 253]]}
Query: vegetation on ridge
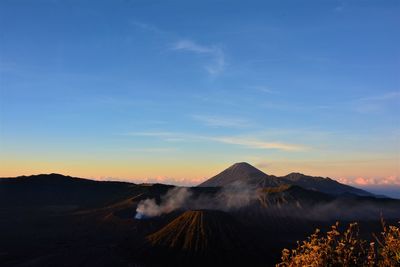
{"points": [[345, 249]]}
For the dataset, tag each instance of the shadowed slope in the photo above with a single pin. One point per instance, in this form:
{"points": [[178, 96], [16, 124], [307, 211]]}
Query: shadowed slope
{"points": [[292, 195], [198, 231], [199, 238]]}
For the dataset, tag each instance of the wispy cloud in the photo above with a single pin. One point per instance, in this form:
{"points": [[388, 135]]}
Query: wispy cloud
{"points": [[218, 57], [386, 96], [193, 47], [340, 7], [221, 121], [247, 142], [294, 107], [155, 134], [259, 144], [154, 150], [215, 52], [376, 103], [264, 89], [149, 28]]}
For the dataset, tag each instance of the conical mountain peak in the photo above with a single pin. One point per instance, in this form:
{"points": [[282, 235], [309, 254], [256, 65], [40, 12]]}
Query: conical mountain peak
{"points": [[241, 173], [244, 166]]}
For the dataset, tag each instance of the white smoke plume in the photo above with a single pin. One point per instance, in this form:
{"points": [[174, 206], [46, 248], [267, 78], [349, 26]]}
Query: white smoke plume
{"points": [[230, 197], [236, 195], [174, 199]]}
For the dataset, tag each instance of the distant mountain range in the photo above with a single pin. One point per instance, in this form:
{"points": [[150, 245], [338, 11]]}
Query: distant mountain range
{"points": [[246, 174]]}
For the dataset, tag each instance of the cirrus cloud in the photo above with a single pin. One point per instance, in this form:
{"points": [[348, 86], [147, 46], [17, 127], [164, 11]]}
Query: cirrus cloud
{"points": [[215, 52], [221, 121], [244, 141]]}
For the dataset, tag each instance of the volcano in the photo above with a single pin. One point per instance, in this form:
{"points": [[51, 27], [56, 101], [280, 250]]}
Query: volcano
{"points": [[204, 236], [242, 173]]}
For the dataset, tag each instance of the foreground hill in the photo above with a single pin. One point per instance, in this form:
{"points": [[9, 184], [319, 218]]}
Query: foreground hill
{"points": [[245, 174]]}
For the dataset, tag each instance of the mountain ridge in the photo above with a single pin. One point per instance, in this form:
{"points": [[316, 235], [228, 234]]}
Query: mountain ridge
{"points": [[238, 174], [244, 173]]}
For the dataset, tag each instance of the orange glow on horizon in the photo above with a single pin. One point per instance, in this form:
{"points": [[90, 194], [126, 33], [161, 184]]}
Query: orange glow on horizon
{"points": [[192, 173]]}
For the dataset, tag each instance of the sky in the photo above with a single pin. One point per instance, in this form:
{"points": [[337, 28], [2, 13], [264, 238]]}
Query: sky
{"points": [[176, 91]]}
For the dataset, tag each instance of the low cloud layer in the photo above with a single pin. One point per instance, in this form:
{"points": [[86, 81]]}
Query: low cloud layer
{"points": [[392, 180], [172, 180]]}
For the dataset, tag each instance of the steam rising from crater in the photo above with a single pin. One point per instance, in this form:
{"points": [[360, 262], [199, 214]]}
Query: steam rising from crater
{"points": [[174, 199], [234, 196]]}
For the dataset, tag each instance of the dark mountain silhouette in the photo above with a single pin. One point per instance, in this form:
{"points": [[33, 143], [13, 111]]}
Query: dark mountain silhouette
{"points": [[326, 185], [245, 174], [241, 173], [53, 220], [57, 189]]}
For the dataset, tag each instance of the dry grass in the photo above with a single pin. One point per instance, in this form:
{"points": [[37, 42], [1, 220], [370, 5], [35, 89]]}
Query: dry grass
{"points": [[345, 249]]}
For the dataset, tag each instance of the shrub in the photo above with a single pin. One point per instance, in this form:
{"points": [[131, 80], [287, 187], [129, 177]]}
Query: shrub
{"points": [[388, 246], [345, 249]]}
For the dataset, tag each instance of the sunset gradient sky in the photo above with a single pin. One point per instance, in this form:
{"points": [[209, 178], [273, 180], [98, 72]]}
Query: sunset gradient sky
{"points": [[176, 91]]}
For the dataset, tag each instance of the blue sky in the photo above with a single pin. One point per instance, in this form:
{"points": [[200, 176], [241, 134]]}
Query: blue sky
{"points": [[181, 89]]}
